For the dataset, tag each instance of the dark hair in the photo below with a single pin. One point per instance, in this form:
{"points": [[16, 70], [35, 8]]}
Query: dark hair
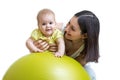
{"points": [[89, 24]]}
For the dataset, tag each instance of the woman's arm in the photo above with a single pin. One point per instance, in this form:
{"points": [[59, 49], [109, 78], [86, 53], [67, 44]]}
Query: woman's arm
{"points": [[33, 46]]}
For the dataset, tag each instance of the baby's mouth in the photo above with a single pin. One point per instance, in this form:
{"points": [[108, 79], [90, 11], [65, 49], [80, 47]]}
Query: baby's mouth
{"points": [[48, 29]]}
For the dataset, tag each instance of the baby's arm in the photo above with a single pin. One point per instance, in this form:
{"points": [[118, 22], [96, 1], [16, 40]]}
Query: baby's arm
{"points": [[61, 47], [30, 45]]}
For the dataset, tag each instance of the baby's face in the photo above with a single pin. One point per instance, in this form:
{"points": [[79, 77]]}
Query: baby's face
{"points": [[47, 24]]}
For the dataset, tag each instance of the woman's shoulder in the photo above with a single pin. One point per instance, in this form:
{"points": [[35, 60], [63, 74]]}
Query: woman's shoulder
{"points": [[61, 26], [90, 70]]}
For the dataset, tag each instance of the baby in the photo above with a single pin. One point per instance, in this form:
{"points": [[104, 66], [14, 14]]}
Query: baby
{"points": [[47, 31]]}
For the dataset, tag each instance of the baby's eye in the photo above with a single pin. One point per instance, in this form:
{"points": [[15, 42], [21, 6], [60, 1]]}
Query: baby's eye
{"points": [[43, 23], [50, 22]]}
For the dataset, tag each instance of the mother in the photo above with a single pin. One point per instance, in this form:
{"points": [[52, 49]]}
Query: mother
{"points": [[81, 36]]}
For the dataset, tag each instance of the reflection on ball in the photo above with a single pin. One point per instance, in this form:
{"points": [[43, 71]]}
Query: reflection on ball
{"points": [[45, 66]]}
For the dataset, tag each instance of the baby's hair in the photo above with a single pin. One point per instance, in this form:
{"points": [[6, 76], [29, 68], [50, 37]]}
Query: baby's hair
{"points": [[44, 12]]}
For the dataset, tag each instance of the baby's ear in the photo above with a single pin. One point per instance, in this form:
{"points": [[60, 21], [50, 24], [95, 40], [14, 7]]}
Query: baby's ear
{"points": [[59, 26]]}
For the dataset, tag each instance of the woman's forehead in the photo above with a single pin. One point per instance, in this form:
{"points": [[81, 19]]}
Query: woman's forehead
{"points": [[74, 21]]}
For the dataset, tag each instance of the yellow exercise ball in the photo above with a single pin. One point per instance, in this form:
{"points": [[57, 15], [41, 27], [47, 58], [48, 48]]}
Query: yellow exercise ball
{"points": [[45, 66]]}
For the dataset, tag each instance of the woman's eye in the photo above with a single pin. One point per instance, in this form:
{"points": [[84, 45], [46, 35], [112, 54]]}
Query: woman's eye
{"points": [[72, 28]]}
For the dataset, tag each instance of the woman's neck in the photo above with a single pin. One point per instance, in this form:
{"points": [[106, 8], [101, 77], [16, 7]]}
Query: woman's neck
{"points": [[77, 42], [73, 46]]}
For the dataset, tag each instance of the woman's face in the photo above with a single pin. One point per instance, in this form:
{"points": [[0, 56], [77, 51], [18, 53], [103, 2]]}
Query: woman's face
{"points": [[72, 30]]}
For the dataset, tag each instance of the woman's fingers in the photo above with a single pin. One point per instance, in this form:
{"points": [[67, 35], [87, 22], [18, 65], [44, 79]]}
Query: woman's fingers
{"points": [[43, 45], [36, 43], [53, 47], [46, 47]]}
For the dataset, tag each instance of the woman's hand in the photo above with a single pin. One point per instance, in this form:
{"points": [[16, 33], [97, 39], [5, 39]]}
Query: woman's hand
{"points": [[53, 47], [44, 45], [41, 44]]}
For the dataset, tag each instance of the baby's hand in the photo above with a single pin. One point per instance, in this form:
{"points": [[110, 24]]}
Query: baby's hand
{"points": [[57, 54]]}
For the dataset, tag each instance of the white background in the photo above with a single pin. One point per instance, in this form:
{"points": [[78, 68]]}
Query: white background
{"points": [[18, 19]]}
